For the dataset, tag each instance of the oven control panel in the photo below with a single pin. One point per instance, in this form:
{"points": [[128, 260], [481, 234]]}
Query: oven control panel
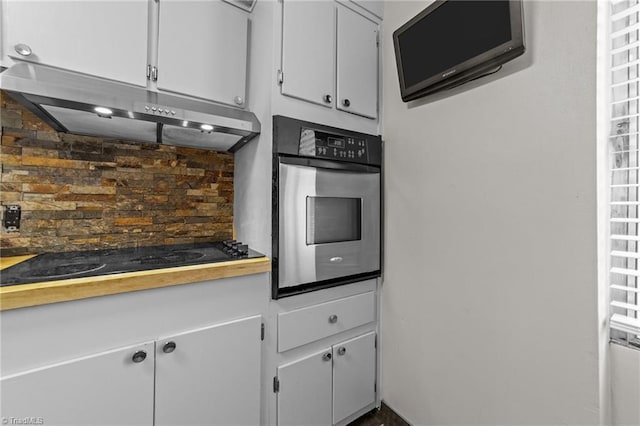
{"points": [[303, 139], [315, 143]]}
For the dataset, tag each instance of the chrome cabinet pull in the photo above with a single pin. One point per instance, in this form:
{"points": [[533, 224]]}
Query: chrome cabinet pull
{"points": [[342, 350], [333, 319], [328, 99], [169, 347], [23, 49], [326, 357], [139, 356], [346, 102]]}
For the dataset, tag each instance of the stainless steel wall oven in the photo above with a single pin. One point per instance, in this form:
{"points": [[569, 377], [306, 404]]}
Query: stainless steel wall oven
{"points": [[326, 206]]}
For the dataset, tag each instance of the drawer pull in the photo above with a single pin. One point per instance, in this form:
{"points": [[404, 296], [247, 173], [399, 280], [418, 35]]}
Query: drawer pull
{"points": [[333, 319], [326, 357], [342, 350]]}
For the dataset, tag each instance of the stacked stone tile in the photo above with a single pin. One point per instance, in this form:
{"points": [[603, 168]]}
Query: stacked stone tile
{"points": [[82, 193]]}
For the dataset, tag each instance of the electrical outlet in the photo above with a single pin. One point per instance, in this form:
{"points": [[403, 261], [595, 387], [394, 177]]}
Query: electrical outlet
{"points": [[11, 221]]}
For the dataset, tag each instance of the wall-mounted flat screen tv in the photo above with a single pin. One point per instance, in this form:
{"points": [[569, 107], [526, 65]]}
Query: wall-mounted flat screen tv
{"points": [[454, 41]]}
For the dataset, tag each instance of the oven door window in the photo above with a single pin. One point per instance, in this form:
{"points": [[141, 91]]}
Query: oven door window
{"points": [[333, 219]]}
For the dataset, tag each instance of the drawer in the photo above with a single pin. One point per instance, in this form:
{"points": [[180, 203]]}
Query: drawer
{"points": [[311, 323]]}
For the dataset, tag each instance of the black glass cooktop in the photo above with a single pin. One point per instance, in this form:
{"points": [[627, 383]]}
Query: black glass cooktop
{"points": [[58, 266]]}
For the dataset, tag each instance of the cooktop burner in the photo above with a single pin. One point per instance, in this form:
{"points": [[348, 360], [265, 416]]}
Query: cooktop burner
{"points": [[66, 270], [178, 257], [55, 266]]}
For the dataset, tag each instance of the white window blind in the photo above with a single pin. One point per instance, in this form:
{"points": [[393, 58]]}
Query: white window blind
{"points": [[624, 148]]}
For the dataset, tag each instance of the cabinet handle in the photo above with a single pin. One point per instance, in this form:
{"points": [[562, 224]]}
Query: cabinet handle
{"points": [[238, 100], [326, 357], [23, 49], [139, 356], [169, 347], [342, 350], [328, 99], [333, 319], [346, 102]]}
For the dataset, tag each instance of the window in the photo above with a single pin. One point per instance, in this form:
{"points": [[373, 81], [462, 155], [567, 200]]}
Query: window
{"points": [[624, 170], [333, 220]]}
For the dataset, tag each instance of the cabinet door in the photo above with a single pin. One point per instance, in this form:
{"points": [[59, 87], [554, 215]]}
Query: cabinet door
{"points": [[304, 397], [202, 50], [354, 375], [308, 46], [102, 38], [357, 56], [374, 6], [211, 376], [107, 388]]}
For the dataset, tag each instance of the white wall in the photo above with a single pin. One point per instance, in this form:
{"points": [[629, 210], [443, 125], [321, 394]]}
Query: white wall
{"points": [[252, 177], [490, 294], [625, 381]]}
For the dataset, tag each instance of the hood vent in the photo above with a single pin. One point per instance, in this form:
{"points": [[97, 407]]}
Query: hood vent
{"points": [[76, 103]]}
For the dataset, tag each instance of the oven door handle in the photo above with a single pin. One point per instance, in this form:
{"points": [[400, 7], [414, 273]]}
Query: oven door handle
{"points": [[328, 164]]}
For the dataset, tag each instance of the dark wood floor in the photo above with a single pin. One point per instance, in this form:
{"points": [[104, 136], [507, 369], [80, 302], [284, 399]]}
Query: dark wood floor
{"points": [[382, 417]]}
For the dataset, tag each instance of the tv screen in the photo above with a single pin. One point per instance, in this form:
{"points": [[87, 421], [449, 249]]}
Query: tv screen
{"points": [[454, 40]]}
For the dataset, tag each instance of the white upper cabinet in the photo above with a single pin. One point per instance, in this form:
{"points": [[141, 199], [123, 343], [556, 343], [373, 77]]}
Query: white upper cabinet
{"points": [[357, 63], [308, 46], [192, 47], [202, 50], [330, 56], [374, 6], [102, 38]]}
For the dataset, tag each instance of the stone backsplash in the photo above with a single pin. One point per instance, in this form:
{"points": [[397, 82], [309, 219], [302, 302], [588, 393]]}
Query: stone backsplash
{"points": [[83, 193]]}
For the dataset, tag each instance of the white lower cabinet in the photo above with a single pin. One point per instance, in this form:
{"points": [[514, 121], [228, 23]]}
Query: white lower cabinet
{"points": [[210, 376], [327, 386], [304, 396], [312, 323], [354, 375], [206, 376], [107, 388]]}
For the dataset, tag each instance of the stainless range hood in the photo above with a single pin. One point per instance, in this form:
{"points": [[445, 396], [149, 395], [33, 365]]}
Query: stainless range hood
{"points": [[80, 104]]}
